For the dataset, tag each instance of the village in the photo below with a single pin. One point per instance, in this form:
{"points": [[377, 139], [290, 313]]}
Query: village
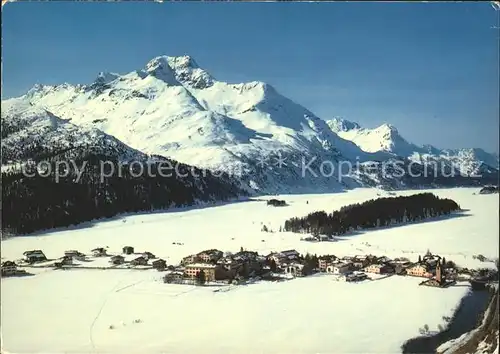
{"points": [[215, 266]]}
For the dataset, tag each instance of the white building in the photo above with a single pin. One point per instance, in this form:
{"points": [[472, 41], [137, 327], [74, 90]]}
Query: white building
{"points": [[34, 256], [338, 268], [9, 268], [99, 252], [294, 269]]}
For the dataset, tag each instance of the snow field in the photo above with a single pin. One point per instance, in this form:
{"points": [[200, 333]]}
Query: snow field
{"points": [[71, 311]]}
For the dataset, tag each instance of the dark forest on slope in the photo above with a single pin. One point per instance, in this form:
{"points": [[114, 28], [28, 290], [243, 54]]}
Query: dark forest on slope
{"points": [[36, 203], [373, 213]]}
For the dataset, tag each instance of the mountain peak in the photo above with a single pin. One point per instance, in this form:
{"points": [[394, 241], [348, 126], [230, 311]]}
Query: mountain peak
{"points": [[159, 68], [389, 128], [105, 77], [182, 62], [181, 69], [338, 124]]}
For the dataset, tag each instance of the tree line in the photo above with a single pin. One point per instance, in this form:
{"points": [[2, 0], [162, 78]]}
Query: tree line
{"points": [[36, 203], [276, 202], [371, 214]]}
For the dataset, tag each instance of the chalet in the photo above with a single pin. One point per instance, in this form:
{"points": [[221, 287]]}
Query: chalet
{"points": [[173, 277], [209, 256], [139, 261], [419, 270], [401, 261], [325, 261], [359, 258], [291, 254], [99, 252], [294, 269], [278, 258], [128, 250], [245, 256], [319, 238], [359, 262], [74, 254], [250, 260], [34, 256], [284, 256], [383, 260], [159, 264], [400, 269], [67, 260], [261, 259], [354, 277], [9, 268], [148, 255], [379, 269], [225, 261], [339, 268], [229, 264], [189, 259], [346, 258], [231, 271], [118, 259], [192, 270]]}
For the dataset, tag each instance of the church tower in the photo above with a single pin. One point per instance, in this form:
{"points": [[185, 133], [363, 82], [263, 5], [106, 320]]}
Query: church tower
{"points": [[439, 275]]}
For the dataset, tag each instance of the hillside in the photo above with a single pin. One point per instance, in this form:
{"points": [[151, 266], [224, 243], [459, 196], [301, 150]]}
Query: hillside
{"points": [[58, 174]]}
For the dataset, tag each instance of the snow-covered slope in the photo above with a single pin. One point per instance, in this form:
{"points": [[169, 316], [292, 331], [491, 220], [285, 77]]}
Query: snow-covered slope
{"points": [[308, 315], [386, 138], [30, 132], [86, 174]]}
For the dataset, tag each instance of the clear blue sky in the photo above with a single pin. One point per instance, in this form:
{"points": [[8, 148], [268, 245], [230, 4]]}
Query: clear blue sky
{"points": [[430, 69]]}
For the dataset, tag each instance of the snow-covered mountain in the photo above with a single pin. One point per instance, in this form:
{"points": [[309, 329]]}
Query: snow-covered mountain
{"points": [[174, 108], [386, 138], [33, 133], [85, 174]]}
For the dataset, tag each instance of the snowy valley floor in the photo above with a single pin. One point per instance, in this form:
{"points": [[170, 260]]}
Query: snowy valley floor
{"points": [[58, 311]]}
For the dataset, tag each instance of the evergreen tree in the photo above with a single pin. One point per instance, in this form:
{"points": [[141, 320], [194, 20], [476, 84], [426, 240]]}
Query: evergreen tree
{"points": [[273, 266], [314, 262], [42, 202], [201, 277], [307, 269]]}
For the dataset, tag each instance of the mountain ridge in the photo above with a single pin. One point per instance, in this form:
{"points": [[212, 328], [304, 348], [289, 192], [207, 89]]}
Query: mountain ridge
{"points": [[55, 173], [172, 107], [387, 138]]}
